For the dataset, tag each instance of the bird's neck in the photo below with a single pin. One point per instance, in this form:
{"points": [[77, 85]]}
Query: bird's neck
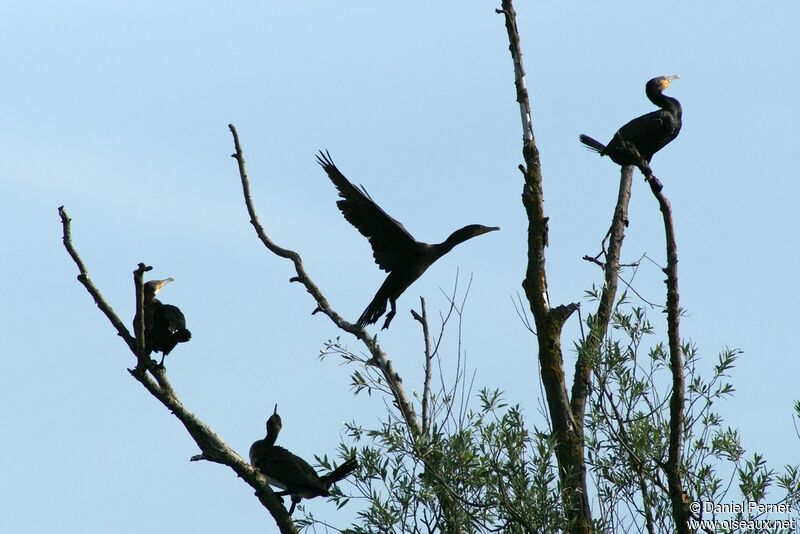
{"points": [[665, 102], [456, 238], [272, 437]]}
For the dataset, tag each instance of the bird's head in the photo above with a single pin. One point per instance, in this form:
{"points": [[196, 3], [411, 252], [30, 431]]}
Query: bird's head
{"points": [[478, 229], [660, 83], [152, 287], [462, 234], [274, 423], [472, 230]]}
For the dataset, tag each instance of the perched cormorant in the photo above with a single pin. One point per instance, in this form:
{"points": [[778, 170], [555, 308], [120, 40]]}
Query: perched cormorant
{"points": [[289, 472], [395, 250], [648, 133], [164, 324]]}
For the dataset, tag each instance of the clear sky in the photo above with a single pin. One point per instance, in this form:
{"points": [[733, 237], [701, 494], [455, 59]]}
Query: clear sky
{"points": [[119, 111]]}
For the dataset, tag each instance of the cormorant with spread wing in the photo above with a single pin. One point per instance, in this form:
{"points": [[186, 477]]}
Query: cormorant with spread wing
{"points": [[164, 324], [647, 134], [289, 472], [395, 250]]}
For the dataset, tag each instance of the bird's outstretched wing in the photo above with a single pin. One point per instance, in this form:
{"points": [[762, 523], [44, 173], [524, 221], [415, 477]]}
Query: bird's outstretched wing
{"points": [[389, 240]]}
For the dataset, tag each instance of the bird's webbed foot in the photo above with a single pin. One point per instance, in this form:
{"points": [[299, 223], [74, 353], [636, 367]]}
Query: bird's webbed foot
{"points": [[295, 500], [655, 182], [389, 317]]}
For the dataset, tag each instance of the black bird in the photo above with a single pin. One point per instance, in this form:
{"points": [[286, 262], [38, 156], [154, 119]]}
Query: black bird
{"points": [[647, 134], [395, 250], [164, 324], [289, 472]]}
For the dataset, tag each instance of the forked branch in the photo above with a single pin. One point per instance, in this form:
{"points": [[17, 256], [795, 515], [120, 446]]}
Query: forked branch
{"points": [[154, 378], [549, 320]]}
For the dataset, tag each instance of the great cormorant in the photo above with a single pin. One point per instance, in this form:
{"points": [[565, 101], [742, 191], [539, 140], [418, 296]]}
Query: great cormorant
{"points": [[164, 324], [648, 133], [289, 472], [395, 250]]}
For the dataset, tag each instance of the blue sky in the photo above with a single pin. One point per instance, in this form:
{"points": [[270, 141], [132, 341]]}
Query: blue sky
{"points": [[119, 111]]}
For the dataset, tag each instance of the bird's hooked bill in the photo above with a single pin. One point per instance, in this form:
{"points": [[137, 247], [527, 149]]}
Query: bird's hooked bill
{"points": [[158, 284]]}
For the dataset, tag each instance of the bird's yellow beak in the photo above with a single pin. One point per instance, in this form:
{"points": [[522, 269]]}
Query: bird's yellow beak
{"points": [[668, 80], [162, 283]]}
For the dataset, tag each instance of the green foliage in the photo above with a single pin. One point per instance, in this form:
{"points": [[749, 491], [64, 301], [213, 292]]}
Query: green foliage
{"points": [[474, 469], [627, 431], [479, 469]]}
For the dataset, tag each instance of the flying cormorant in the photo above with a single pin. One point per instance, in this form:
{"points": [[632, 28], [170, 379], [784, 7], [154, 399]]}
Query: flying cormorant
{"points": [[648, 133], [289, 472], [395, 250]]}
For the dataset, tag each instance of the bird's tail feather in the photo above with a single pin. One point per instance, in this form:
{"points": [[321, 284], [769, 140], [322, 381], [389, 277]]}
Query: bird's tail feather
{"points": [[340, 472], [373, 312], [592, 144]]}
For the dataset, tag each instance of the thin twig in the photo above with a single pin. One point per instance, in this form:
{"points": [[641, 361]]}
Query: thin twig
{"points": [[649, 303], [628, 283], [522, 314]]}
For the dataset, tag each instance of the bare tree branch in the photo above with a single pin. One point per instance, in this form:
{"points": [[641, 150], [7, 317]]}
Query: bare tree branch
{"points": [[379, 358], [426, 391], [678, 496], [549, 321], [83, 278], [680, 500], [154, 378], [142, 357], [591, 347]]}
